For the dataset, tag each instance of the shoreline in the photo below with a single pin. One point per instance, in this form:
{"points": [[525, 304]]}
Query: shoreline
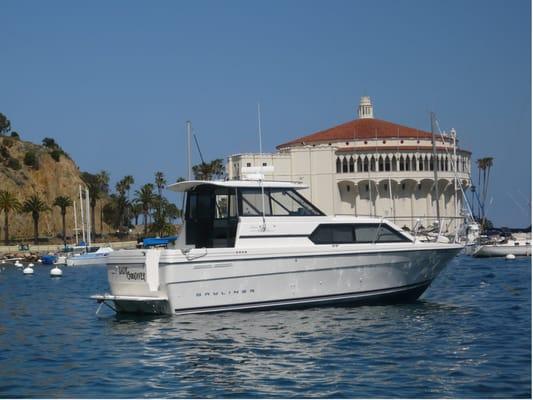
{"points": [[45, 248]]}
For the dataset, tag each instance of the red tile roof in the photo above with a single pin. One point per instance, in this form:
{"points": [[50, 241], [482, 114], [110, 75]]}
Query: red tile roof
{"points": [[368, 128]]}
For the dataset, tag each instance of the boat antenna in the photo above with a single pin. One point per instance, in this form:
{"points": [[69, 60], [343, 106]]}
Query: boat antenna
{"points": [[189, 168], [435, 166], [261, 177]]}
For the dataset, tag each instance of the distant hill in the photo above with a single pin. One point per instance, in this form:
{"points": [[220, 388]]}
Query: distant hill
{"points": [[26, 169]]}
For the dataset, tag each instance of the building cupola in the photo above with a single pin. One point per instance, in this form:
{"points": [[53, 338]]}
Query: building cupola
{"points": [[365, 109]]}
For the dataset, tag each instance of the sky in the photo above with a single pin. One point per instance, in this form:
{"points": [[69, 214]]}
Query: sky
{"points": [[114, 82]]}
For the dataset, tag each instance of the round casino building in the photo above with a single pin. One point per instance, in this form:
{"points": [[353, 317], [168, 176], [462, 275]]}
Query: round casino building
{"points": [[369, 166]]}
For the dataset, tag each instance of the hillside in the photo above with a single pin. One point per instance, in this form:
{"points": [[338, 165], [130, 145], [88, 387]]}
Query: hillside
{"points": [[27, 169]]}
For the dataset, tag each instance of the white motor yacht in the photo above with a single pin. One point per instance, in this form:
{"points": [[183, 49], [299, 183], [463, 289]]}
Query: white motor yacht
{"points": [[259, 245]]}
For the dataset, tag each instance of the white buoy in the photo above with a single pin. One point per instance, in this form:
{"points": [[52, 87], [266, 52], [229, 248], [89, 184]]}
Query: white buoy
{"points": [[18, 264], [56, 272], [510, 257], [27, 271], [3, 261], [39, 261], [31, 265]]}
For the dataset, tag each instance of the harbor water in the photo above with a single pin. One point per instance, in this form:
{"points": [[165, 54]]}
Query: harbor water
{"points": [[468, 336]]}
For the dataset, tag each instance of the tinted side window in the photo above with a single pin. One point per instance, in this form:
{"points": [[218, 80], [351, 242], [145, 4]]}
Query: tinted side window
{"points": [[370, 233], [333, 233], [355, 233]]}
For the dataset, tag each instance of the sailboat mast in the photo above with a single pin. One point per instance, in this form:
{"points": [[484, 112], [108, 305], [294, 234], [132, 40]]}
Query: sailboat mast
{"points": [[75, 222], [435, 166], [88, 216], [82, 217], [454, 137]]}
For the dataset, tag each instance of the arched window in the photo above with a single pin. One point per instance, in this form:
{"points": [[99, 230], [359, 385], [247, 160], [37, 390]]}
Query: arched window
{"points": [[446, 164], [420, 164], [344, 165], [413, 163], [338, 165], [426, 163], [442, 163], [372, 164], [365, 164], [351, 165], [359, 165], [387, 164], [402, 164], [381, 165], [394, 163]]}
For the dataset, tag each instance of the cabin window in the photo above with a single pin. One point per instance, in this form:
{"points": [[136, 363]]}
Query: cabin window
{"points": [[277, 202], [356, 233], [248, 164]]}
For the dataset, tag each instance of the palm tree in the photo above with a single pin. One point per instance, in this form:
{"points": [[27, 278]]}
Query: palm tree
{"points": [[128, 182], [35, 206], [136, 210], [206, 171], [145, 197], [488, 166], [103, 177], [160, 181], [8, 203], [63, 202]]}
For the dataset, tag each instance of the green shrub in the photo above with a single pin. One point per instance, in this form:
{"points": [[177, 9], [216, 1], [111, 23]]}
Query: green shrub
{"points": [[56, 154], [50, 143], [15, 135], [8, 142], [30, 159], [13, 163], [4, 152]]}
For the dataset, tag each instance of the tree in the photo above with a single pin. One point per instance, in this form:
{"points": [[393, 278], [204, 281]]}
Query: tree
{"points": [[35, 206], [103, 176], [5, 124], [136, 211], [31, 160], [122, 201], [97, 185], [207, 171], [63, 202], [145, 197], [8, 202], [160, 182], [50, 143]]}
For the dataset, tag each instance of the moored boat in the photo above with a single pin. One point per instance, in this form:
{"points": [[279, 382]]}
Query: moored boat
{"points": [[257, 245], [90, 258], [514, 246]]}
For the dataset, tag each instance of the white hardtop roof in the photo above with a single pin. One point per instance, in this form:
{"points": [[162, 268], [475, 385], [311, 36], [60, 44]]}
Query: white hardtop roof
{"points": [[188, 185]]}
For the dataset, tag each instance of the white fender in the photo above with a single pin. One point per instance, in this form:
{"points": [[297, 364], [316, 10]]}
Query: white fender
{"points": [[151, 265]]}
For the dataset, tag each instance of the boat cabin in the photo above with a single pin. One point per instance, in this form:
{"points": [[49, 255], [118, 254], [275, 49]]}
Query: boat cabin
{"points": [[212, 209]]}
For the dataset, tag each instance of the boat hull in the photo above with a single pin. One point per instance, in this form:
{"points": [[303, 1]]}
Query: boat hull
{"points": [[378, 277], [502, 250]]}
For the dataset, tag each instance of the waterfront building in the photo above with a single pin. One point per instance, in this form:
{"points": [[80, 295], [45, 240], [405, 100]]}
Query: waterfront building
{"points": [[369, 166]]}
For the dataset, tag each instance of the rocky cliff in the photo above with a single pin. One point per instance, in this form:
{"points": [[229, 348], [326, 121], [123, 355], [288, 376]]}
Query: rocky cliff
{"points": [[27, 169]]}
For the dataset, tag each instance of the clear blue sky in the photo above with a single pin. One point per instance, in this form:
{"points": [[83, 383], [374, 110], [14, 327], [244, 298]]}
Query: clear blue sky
{"points": [[114, 81]]}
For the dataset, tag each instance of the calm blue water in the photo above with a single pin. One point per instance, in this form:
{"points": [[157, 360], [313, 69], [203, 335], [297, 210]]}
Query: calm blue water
{"points": [[469, 336]]}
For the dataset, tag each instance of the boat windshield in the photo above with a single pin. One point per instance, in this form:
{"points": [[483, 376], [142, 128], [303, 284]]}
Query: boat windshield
{"points": [[277, 202]]}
